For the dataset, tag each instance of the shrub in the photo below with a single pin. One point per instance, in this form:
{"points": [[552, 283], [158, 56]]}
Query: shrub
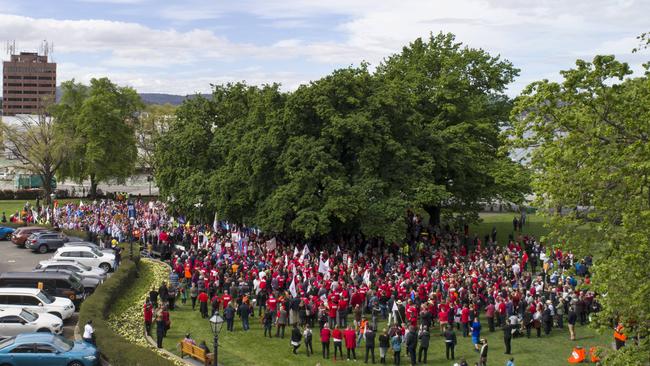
{"points": [[97, 307]]}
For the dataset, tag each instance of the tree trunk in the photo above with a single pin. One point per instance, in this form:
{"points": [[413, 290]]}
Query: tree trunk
{"points": [[93, 187], [434, 214], [47, 187]]}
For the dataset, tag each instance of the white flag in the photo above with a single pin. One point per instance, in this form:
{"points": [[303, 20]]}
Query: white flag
{"points": [[271, 244], [395, 308], [338, 249], [323, 267], [215, 224], [295, 252], [292, 287], [305, 253], [366, 277]]}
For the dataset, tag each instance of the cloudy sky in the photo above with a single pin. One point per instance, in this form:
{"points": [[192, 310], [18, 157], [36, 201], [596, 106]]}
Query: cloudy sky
{"points": [[182, 47]]}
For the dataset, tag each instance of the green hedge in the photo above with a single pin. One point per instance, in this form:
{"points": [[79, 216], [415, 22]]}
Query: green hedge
{"points": [[117, 350]]}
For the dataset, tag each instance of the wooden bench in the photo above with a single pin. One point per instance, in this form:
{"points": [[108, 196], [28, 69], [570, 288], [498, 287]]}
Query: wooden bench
{"points": [[196, 352]]}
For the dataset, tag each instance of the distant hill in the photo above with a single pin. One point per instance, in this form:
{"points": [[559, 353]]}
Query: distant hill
{"points": [[160, 98], [155, 98]]}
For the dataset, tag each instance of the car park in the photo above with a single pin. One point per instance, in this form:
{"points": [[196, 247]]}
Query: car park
{"points": [[6, 232], [88, 256], [89, 283], [22, 233], [17, 321], [37, 301], [46, 349], [55, 284], [80, 269], [44, 241]]}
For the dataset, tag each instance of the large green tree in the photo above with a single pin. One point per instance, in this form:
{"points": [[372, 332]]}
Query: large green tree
{"points": [[351, 152], [33, 142], [99, 122], [588, 143]]}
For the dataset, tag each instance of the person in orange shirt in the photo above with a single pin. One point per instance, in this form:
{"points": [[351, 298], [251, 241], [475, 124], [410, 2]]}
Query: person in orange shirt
{"points": [[619, 336]]}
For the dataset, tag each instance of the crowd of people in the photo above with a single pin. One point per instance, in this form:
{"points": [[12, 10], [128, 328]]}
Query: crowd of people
{"points": [[355, 292]]}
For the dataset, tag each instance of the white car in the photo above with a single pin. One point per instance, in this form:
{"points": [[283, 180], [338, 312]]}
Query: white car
{"points": [[88, 256], [17, 321], [80, 269], [35, 300]]}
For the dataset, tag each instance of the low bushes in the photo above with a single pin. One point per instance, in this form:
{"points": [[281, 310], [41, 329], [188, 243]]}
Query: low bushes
{"points": [[118, 350]]}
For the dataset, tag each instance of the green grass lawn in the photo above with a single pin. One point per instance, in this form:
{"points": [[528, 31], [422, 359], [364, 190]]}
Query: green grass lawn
{"points": [[503, 223], [251, 348], [9, 207]]}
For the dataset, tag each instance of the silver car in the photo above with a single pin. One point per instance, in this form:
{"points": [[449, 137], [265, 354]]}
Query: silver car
{"points": [[71, 265], [17, 321]]}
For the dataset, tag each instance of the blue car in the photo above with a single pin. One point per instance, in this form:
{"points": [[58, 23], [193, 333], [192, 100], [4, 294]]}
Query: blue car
{"points": [[5, 232], [46, 349]]}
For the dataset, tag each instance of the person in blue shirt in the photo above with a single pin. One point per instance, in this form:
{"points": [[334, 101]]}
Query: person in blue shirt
{"points": [[476, 333], [511, 362]]}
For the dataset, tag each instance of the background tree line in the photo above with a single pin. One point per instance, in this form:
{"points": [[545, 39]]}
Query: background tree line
{"points": [[351, 152]]}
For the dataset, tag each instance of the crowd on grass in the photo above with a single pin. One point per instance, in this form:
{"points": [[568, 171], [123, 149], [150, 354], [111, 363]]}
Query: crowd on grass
{"points": [[350, 294]]}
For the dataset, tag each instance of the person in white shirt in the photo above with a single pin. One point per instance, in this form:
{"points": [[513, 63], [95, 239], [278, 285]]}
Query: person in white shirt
{"points": [[89, 333]]}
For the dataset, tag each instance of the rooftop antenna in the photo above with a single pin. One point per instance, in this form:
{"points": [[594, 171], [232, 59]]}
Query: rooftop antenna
{"points": [[10, 47], [46, 48]]}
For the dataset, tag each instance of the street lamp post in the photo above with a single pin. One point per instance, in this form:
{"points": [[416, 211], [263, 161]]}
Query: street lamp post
{"points": [[52, 197], [131, 220], [216, 323]]}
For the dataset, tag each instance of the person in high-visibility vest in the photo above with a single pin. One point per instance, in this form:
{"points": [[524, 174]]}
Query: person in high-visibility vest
{"points": [[619, 336], [578, 355]]}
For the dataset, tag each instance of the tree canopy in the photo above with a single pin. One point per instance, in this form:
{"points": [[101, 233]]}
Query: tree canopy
{"points": [[351, 152], [587, 139], [98, 122]]}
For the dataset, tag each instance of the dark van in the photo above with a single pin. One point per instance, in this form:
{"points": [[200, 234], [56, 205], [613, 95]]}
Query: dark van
{"points": [[55, 284]]}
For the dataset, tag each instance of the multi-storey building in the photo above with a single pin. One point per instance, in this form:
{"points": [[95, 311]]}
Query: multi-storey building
{"points": [[28, 84]]}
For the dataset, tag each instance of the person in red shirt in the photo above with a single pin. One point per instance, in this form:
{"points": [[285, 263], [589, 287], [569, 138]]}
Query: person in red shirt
{"points": [[325, 341], [350, 342], [332, 312], [272, 306], [226, 299], [148, 316], [203, 304], [337, 335], [464, 320]]}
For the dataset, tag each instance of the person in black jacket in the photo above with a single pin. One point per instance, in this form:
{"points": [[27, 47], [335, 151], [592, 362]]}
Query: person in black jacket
{"points": [[267, 320], [450, 342], [296, 336], [424, 337], [547, 319], [244, 311], [507, 337], [229, 316], [160, 331], [370, 343], [384, 344], [411, 344]]}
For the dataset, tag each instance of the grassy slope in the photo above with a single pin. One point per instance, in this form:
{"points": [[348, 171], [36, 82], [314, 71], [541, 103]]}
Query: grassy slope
{"points": [[251, 348]]}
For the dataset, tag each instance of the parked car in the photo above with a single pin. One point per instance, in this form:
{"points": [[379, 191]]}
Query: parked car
{"points": [[89, 283], [90, 245], [44, 241], [88, 256], [55, 284], [17, 321], [22, 233], [6, 232], [47, 349], [36, 300], [72, 265]]}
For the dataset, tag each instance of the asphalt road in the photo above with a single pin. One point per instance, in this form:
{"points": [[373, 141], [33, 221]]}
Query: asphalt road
{"points": [[16, 259]]}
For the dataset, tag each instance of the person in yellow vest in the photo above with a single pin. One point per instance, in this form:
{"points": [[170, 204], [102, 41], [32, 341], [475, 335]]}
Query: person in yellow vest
{"points": [[619, 336]]}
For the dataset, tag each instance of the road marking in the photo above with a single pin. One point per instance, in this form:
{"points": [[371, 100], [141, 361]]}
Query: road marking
{"points": [[11, 261]]}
